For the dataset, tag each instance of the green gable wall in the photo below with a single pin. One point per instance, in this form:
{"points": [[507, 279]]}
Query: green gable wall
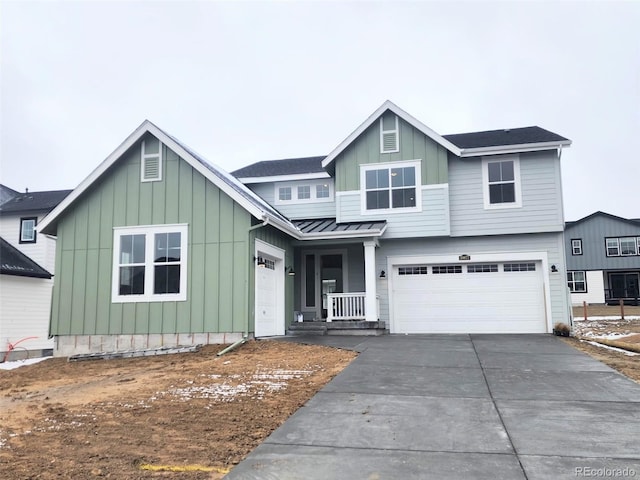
{"points": [[218, 264], [365, 149]]}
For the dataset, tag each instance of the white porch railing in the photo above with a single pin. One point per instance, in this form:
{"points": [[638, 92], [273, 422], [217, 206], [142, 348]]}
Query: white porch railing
{"points": [[346, 306]]}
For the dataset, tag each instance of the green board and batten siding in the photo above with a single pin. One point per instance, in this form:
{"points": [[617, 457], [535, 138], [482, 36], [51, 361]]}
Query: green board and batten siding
{"points": [[217, 267], [414, 145]]}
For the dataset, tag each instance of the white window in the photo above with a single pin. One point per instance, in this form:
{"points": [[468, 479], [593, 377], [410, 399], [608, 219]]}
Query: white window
{"points": [[628, 246], [394, 186], [150, 263], [28, 230], [613, 247], [304, 192], [576, 246], [151, 160], [315, 191], [284, 194], [417, 270], [322, 190], [389, 133], [577, 282], [501, 182]]}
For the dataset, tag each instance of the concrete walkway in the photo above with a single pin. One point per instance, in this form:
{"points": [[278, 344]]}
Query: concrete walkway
{"points": [[458, 407]]}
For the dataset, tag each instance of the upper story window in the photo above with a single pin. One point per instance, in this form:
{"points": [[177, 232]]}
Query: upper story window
{"points": [[28, 229], [150, 264], [151, 160], [389, 133], [622, 246], [393, 186], [303, 192], [501, 182], [576, 246]]}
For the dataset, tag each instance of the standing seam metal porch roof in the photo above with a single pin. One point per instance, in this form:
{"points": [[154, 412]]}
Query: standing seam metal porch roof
{"points": [[329, 225]]}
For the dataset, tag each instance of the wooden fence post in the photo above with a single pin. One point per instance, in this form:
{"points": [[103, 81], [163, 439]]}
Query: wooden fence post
{"points": [[622, 308], [584, 309]]}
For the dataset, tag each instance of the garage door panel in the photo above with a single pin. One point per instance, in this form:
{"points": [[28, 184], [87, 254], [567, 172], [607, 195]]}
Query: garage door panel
{"points": [[496, 302]]}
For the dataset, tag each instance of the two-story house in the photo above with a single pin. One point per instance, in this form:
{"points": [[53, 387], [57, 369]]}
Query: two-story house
{"points": [[27, 262], [603, 259], [398, 227]]}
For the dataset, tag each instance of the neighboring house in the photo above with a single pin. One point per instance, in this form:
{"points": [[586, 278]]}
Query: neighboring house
{"points": [[603, 259], [397, 227], [27, 262]]}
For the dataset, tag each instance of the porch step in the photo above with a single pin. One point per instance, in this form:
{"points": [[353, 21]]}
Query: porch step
{"points": [[337, 328]]}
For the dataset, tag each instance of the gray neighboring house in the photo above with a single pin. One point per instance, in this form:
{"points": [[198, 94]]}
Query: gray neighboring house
{"points": [[603, 259]]}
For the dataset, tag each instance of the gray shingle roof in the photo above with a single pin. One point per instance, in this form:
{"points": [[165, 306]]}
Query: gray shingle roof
{"points": [[14, 262], [509, 136], [599, 213], [287, 166], [34, 202]]}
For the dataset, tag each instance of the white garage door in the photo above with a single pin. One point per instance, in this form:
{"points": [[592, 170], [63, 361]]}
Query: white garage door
{"points": [[493, 297]]}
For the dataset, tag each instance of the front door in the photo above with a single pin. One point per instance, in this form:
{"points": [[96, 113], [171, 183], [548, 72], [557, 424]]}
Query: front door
{"points": [[324, 273], [624, 285]]}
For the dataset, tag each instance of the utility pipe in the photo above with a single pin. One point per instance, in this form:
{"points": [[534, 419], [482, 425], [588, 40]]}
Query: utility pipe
{"points": [[233, 346]]}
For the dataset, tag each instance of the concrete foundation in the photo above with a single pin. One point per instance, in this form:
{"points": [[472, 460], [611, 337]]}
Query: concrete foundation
{"points": [[67, 345]]}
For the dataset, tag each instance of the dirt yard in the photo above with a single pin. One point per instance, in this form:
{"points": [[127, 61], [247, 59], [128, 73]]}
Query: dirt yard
{"points": [[611, 328], [113, 418]]}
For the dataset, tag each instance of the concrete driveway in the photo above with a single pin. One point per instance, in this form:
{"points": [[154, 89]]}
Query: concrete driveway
{"points": [[458, 407]]}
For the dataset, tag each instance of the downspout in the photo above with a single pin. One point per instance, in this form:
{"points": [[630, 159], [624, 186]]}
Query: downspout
{"points": [[564, 248], [245, 337]]}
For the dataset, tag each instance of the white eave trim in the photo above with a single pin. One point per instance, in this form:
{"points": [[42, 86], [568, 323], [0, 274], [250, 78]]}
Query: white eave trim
{"points": [[343, 234], [502, 149], [388, 105], [285, 178], [145, 127]]}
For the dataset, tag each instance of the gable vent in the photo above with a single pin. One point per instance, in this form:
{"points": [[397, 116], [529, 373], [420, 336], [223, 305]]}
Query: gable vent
{"points": [[389, 133], [151, 161], [389, 141], [151, 169]]}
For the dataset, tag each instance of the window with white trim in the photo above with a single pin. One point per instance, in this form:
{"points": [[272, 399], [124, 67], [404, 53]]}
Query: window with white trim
{"points": [[389, 133], [28, 229], [613, 247], [577, 282], [304, 192], [417, 270], [501, 182], [150, 264], [628, 246], [576, 246], [151, 160], [394, 186]]}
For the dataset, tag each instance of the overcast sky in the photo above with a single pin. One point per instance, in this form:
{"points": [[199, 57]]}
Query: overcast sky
{"points": [[241, 82]]}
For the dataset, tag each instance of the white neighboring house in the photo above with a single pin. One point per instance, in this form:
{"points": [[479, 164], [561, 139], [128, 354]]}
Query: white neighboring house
{"points": [[27, 262]]}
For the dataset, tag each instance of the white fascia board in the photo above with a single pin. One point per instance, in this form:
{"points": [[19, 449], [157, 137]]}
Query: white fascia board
{"points": [[388, 105], [342, 235], [284, 178], [94, 175], [145, 127], [524, 147]]}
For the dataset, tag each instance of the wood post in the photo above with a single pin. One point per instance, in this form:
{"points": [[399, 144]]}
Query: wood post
{"points": [[584, 309], [622, 308]]}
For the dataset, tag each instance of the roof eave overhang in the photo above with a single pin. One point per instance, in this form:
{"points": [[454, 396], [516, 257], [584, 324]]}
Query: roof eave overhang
{"points": [[388, 105], [26, 274], [504, 149], [285, 178], [344, 234]]}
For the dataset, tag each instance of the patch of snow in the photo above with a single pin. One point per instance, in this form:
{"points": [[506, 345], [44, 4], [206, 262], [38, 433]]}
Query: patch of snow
{"points": [[607, 347], [21, 363], [580, 318]]}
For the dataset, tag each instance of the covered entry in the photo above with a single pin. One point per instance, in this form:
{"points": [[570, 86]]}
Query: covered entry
{"points": [[489, 297]]}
